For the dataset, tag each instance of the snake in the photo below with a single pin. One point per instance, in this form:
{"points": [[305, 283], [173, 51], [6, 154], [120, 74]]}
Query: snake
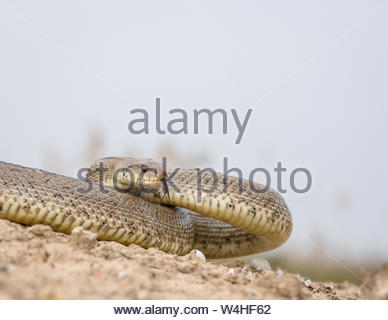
{"points": [[138, 201]]}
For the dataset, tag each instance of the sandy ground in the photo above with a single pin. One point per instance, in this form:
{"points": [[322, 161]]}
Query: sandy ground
{"points": [[37, 263]]}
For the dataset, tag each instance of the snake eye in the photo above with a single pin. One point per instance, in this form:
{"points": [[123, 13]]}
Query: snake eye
{"points": [[144, 168]]}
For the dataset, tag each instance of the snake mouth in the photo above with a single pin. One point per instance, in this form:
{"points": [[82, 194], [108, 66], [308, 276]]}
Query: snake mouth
{"points": [[165, 188]]}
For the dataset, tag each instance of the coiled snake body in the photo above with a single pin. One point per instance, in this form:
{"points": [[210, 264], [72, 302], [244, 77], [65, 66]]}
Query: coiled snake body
{"points": [[231, 220]]}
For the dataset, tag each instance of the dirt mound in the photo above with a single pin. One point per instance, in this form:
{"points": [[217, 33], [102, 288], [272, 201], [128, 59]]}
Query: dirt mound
{"points": [[37, 263]]}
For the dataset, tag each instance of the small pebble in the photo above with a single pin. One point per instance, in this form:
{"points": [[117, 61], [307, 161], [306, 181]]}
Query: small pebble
{"points": [[142, 294], [306, 282], [280, 272], [3, 267], [260, 264], [200, 255], [231, 271], [83, 239]]}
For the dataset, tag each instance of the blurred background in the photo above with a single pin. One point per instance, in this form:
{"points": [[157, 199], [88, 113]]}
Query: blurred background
{"points": [[315, 74]]}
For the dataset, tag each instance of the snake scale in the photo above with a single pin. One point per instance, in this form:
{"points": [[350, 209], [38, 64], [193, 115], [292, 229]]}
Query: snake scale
{"points": [[230, 221]]}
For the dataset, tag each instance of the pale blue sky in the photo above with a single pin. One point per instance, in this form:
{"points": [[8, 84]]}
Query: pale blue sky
{"points": [[314, 72]]}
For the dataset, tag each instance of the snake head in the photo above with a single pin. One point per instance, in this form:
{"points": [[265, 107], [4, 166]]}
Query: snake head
{"points": [[131, 175]]}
